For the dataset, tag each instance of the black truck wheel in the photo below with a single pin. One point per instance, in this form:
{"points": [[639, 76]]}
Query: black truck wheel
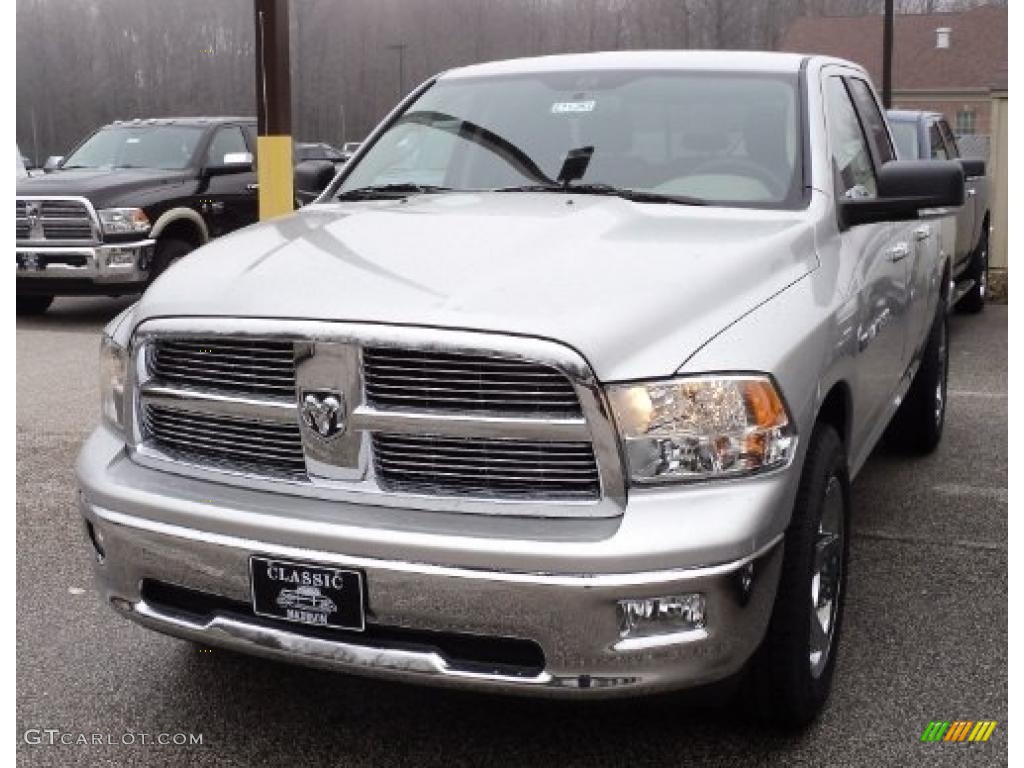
{"points": [[791, 673], [973, 301], [168, 251], [33, 304], [917, 426]]}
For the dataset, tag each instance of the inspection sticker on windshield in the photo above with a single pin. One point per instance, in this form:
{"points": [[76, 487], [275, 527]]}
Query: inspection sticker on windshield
{"points": [[561, 107]]}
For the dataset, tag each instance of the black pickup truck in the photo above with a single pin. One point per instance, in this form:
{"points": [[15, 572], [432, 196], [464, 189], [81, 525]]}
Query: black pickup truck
{"points": [[127, 201]]}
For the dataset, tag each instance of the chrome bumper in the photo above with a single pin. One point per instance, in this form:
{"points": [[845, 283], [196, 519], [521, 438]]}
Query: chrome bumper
{"points": [[572, 617], [113, 263], [552, 583]]}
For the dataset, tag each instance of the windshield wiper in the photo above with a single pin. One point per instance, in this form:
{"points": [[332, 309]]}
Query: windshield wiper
{"points": [[634, 195], [389, 191]]}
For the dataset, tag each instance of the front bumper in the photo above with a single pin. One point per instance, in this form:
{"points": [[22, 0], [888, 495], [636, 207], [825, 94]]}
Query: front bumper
{"points": [[156, 529], [45, 267]]}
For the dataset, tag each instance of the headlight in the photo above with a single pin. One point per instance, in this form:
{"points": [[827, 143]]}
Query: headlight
{"points": [[123, 221], [113, 374], [702, 427]]}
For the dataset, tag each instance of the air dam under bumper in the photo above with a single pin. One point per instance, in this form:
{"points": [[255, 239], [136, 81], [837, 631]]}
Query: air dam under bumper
{"points": [[571, 617]]}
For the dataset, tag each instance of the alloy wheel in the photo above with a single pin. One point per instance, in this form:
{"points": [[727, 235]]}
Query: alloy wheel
{"points": [[827, 575]]}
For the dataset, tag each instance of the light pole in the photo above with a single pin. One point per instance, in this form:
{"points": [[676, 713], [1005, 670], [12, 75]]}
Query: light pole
{"points": [[400, 47], [273, 110]]}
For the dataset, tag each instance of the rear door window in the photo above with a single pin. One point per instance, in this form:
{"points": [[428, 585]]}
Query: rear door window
{"points": [[871, 116], [951, 146], [938, 146]]}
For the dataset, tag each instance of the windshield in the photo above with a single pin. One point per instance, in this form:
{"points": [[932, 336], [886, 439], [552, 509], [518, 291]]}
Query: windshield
{"points": [[731, 139], [169, 147], [905, 136]]}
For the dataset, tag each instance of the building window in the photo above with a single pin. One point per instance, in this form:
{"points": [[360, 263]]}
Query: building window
{"points": [[965, 122]]}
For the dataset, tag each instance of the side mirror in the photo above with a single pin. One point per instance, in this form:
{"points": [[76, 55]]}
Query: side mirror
{"points": [[973, 167], [52, 163], [234, 162], [906, 188], [313, 176]]}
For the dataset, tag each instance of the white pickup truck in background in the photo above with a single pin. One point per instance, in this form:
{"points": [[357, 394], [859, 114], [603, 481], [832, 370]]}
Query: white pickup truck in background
{"points": [[927, 136]]}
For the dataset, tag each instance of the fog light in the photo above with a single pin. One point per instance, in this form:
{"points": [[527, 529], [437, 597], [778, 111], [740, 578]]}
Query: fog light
{"points": [[121, 257], [648, 617]]}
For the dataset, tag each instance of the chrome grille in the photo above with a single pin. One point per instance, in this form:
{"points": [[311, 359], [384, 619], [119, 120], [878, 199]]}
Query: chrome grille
{"points": [[251, 367], [60, 220], [479, 467], [516, 420], [448, 381], [267, 448]]}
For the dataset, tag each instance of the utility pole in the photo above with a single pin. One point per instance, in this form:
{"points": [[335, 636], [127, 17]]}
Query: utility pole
{"points": [[887, 26], [273, 109], [400, 47]]}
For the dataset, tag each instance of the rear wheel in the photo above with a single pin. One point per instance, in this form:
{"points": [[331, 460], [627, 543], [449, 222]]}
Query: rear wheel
{"points": [[33, 304], [917, 427], [792, 671], [973, 301], [168, 251]]}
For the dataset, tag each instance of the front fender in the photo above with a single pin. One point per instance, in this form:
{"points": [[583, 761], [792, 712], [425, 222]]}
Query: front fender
{"points": [[181, 214]]}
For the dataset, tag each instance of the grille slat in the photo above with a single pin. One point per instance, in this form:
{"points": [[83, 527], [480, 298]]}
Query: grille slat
{"points": [[513, 468], [234, 443], [448, 381], [227, 365]]}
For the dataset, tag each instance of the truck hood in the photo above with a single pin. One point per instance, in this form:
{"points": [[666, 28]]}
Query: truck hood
{"points": [[636, 288], [102, 187]]}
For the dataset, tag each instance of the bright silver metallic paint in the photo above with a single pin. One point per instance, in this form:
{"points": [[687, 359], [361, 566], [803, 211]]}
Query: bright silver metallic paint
{"points": [[635, 291]]}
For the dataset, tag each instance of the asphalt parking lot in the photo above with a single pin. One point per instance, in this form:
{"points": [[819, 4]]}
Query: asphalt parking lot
{"points": [[925, 633]]}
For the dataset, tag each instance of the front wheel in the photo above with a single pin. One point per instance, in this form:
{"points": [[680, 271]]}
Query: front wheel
{"points": [[33, 304], [792, 670], [168, 251]]}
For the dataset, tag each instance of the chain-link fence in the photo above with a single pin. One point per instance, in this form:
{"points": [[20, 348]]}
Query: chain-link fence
{"points": [[974, 145]]}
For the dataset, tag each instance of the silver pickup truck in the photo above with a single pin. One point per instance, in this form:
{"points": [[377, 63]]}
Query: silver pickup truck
{"points": [[557, 389], [927, 136]]}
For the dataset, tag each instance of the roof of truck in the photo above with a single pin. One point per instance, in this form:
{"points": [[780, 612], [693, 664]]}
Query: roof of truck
{"points": [[194, 120], [911, 115], [734, 61]]}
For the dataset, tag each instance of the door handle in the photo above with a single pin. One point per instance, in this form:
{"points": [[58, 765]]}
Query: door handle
{"points": [[252, 187], [922, 233], [898, 252], [972, 192]]}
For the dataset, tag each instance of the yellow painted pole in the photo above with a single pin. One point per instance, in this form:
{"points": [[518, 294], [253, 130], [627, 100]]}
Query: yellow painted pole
{"points": [[273, 110]]}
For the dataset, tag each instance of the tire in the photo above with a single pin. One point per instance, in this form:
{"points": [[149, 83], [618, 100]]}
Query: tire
{"points": [[168, 251], [33, 304], [791, 673], [918, 424], [973, 301]]}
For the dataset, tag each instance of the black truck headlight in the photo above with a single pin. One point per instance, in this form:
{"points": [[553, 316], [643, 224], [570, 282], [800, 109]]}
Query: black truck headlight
{"points": [[123, 221]]}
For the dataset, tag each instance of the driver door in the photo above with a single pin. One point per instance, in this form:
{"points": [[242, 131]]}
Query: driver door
{"points": [[227, 201], [880, 255]]}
